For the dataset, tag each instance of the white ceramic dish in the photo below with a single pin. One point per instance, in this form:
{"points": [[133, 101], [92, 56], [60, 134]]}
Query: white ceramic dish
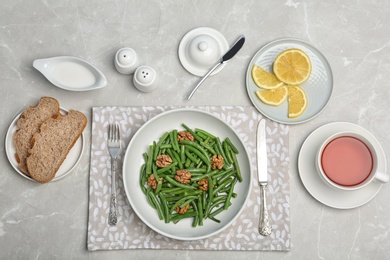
{"points": [[67, 166], [71, 73], [318, 87], [199, 62], [317, 187], [152, 131]]}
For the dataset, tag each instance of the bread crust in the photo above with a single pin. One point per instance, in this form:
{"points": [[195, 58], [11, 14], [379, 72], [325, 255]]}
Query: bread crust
{"points": [[52, 144], [29, 123]]}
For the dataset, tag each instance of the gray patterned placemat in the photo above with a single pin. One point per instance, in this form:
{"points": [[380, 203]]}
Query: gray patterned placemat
{"points": [[132, 233]]}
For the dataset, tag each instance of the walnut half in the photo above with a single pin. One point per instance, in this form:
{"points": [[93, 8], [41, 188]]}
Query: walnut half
{"points": [[217, 162], [183, 209], [163, 160], [183, 135], [183, 176], [203, 184], [152, 182]]}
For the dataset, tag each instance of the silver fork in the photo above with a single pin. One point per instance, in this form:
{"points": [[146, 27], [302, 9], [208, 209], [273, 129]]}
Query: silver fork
{"points": [[114, 148]]}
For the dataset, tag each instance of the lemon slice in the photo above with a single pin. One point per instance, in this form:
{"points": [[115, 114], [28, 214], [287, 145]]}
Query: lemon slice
{"points": [[264, 79], [292, 66], [297, 101], [273, 97]]}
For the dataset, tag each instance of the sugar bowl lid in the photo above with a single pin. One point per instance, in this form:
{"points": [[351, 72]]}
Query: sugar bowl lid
{"points": [[200, 49]]}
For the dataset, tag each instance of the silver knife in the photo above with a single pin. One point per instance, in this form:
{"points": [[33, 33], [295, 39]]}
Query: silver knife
{"points": [[225, 58], [264, 226]]}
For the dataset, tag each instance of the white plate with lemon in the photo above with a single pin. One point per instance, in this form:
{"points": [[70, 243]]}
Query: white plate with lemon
{"points": [[289, 81]]}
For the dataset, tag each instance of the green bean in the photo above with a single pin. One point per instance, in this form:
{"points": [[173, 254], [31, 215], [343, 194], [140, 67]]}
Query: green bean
{"points": [[234, 149], [150, 161], [163, 138], [213, 214], [216, 220], [166, 146], [156, 150], [196, 218], [178, 184], [210, 194], [165, 208], [220, 149], [238, 171], [228, 158], [172, 190], [159, 186], [229, 196], [190, 156], [182, 154], [222, 173], [223, 178], [197, 130], [222, 186], [142, 178], [200, 212], [177, 217], [201, 135], [167, 168], [173, 137], [195, 170], [198, 178], [208, 147]]}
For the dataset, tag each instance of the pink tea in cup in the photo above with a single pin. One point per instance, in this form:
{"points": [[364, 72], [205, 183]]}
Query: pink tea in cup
{"points": [[347, 161]]}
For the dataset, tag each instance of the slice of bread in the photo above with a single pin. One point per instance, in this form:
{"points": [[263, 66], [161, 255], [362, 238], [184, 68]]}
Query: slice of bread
{"points": [[52, 144], [29, 122]]}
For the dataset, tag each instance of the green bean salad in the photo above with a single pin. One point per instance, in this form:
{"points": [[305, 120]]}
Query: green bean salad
{"points": [[190, 174]]}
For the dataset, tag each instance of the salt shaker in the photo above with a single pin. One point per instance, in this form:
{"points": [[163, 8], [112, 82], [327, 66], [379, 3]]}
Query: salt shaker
{"points": [[144, 79], [126, 61]]}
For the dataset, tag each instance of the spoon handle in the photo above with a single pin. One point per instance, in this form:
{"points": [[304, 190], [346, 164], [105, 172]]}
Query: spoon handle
{"points": [[203, 79]]}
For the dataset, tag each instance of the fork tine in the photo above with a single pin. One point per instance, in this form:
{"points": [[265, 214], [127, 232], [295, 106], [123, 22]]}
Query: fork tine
{"points": [[118, 137], [109, 132], [115, 132]]}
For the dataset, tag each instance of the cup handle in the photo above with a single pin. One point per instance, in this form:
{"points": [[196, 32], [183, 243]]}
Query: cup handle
{"points": [[381, 176]]}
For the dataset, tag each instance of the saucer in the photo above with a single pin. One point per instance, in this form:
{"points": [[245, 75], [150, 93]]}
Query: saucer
{"points": [[197, 59], [317, 188]]}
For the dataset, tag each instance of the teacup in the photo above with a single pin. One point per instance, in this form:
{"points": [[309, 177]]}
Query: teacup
{"points": [[348, 161]]}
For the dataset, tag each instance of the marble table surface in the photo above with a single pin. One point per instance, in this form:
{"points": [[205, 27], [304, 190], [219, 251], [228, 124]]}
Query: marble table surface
{"points": [[50, 221]]}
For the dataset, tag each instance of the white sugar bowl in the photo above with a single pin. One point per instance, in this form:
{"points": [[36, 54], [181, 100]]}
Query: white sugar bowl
{"points": [[126, 61], [144, 79]]}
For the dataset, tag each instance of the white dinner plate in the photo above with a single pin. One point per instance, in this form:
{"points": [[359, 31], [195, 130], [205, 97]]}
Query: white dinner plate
{"points": [[67, 166], [152, 131], [313, 182], [318, 87]]}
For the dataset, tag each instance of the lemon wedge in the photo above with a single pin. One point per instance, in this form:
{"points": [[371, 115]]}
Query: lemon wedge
{"points": [[297, 101], [265, 79], [273, 97]]}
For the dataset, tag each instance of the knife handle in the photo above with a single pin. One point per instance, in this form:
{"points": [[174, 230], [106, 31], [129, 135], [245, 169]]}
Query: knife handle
{"points": [[264, 227]]}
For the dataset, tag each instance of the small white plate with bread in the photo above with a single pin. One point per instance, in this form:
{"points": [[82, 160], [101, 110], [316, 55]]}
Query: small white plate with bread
{"points": [[70, 157]]}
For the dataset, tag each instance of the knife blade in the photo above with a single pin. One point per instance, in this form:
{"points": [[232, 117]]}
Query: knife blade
{"points": [[262, 167], [237, 45]]}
